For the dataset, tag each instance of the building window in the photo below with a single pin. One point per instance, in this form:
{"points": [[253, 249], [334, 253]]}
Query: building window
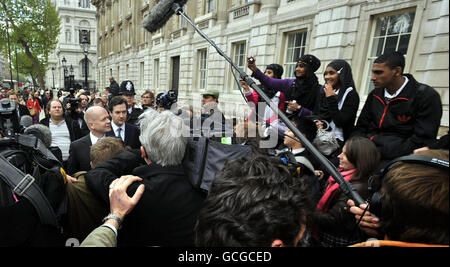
{"points": [[390, 33], [210, 6], [83, 3], [296, 45], [240, 59], [141, 76], [202, 68], [68, 36], [156, 74]]}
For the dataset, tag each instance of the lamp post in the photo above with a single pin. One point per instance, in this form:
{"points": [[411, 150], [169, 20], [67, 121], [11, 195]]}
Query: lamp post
{"points": [[85, 44], [53, 76], [9, 53], [71, 77], [65, 72]]}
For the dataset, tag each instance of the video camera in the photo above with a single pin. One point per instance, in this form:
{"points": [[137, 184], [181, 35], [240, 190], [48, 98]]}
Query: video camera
{"points": [[166, 100], [72, 100], [28, 169], [9, 121]]}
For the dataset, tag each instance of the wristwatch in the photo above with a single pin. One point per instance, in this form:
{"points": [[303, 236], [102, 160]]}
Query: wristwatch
{"points": [[114, 217]]}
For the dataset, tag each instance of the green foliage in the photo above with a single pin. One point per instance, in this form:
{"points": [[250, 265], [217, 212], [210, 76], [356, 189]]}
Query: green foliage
{"points": [[34, 29]]}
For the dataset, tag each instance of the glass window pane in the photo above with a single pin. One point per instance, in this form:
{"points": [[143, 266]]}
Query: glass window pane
{"points": [[401, 23], [382, 24], [403, 45], [378, 45], [391, 44]]}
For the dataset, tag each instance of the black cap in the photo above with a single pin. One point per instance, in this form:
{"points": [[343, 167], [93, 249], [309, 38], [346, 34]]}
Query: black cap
{"points": [[127, 88]]}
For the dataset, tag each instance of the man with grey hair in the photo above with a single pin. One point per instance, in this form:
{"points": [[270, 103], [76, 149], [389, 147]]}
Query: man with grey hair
{"points": [[167, 211]]}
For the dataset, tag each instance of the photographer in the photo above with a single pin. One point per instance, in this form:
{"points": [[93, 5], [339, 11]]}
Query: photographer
{"points": [[74, 108], [23, 221]]}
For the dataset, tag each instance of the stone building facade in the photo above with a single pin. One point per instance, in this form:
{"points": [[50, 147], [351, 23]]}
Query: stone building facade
{"points": [[76, 16], [274, 31]]}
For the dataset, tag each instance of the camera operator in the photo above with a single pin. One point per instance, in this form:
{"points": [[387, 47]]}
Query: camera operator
{"points": [[20, 223], [74, 109]]}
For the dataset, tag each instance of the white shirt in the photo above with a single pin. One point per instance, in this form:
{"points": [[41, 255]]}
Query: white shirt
{"points": [[95, 139], [60, 137], [116, 128], [339, 132], [387, 95]]}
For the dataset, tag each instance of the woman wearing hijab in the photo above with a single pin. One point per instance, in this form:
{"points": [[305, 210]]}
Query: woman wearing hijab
{"points": [[273, 71], [339, 100], [301, 92]]}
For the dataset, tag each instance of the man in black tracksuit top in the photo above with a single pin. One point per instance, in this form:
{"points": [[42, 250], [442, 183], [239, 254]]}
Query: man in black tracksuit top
{"points": [[400, 114]]}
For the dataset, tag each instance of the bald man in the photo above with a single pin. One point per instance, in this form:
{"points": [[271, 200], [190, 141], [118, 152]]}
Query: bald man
{"points": [[99, 123]]}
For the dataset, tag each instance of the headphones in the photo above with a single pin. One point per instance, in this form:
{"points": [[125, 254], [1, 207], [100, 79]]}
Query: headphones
{"points": [[376, 180]]}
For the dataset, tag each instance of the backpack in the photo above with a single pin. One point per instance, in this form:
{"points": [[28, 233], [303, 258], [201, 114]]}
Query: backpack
{"points": [[204, 158]]}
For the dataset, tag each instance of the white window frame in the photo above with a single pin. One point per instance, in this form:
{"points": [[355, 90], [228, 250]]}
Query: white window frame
{"points": [[236, 60], [289, 72], [156, 73], [365, 86], [202, 68]]}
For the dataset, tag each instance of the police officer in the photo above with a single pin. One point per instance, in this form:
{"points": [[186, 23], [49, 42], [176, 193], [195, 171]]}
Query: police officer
{"points": [[128, 92]]}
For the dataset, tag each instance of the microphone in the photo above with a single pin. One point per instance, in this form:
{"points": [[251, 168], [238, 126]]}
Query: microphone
{"points": [[26, 121], [161, 13], [42, 132]]}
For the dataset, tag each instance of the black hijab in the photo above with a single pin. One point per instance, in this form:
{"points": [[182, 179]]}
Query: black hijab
{"points": [[305, 89]]}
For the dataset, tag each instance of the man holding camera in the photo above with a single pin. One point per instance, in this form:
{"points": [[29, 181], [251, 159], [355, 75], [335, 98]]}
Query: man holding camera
{"points": [[127, 91], [64, 129]]}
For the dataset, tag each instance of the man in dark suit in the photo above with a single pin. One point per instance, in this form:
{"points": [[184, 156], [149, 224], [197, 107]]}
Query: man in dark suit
{"points": [[129, 133], [167, 211], [99, 123], [128, 92]]}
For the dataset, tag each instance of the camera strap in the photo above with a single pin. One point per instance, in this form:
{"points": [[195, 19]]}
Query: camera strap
{"points": [[24, 185]]}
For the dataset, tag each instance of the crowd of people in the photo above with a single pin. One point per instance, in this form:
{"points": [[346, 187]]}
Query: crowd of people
{"points": [[126, 184]]}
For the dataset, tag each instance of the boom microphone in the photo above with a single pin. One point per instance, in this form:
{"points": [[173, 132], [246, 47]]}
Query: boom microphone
{"points": [[160, 14]]}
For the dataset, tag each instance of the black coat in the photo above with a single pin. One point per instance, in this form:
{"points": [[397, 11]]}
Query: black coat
{"points": [[168, 209], [72, 125], [132, 134], [23, 110], [344, 118], [80, 155], [133, 117], [407, 122]]}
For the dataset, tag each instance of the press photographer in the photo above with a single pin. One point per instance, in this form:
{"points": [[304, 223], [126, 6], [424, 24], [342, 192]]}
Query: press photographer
{"points": [[32, 187], [75, 107]]}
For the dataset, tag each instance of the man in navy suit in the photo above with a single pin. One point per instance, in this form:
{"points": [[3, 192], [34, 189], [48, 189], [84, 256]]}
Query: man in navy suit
{"points": [[128, 132], [99, 123]]}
